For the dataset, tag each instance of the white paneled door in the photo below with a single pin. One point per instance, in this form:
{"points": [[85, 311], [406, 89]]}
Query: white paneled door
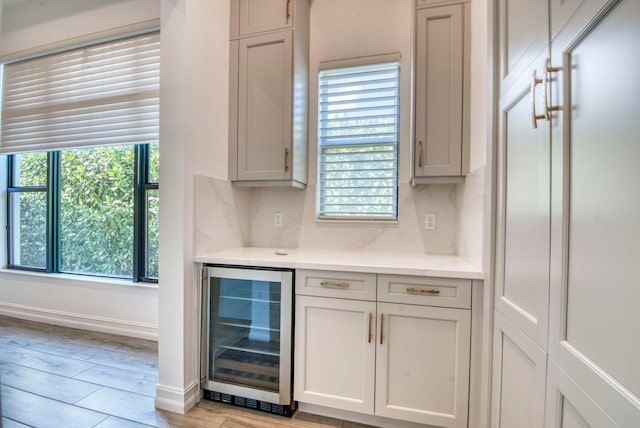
{"points": [[595, 286], [567, 242]]}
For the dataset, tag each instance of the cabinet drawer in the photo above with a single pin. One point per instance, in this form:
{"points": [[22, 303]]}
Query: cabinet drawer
{"points": [[419, 290], [346, 285]]}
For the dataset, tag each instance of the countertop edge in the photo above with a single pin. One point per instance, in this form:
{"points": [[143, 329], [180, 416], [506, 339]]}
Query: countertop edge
{"points": [[376, 262]]}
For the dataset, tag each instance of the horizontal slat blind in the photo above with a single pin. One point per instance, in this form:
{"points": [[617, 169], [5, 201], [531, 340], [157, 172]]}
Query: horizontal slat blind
{"points": [[97, 95], [358, 109]]}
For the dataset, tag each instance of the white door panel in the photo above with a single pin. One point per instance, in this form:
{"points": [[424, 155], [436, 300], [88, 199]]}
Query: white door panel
{"points": [[569, 406], [595, 273], [519, 367], [522, 258]]}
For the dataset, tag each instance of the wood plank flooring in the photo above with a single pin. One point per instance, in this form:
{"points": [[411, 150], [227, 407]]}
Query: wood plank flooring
{"points": [[53, 376]]}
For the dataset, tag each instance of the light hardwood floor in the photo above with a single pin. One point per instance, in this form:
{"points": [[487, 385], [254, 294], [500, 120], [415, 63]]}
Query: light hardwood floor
{"points": [[53, 376]]}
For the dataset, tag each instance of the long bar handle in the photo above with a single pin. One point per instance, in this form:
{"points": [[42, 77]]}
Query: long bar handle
{"points": [[335, 284], [381, 326], [418, 290], [370, 322], [288, 10], [286, 159], [419, 153], [535, 117]]}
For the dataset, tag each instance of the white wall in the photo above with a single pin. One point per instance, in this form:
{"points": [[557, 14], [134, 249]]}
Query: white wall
{"points": [[32, 27], [98, 304], [471, 194]]}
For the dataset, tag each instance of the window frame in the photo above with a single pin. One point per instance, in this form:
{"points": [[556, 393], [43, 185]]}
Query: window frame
{"points": [[141, 186], [13, 188], [350, 216]]}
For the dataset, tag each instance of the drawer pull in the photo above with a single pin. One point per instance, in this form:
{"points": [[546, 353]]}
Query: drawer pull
{"points": [[417, 290], [335, 284]]}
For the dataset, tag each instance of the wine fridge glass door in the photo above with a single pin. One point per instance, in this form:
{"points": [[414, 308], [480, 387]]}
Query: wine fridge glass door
{"points": [[249, 333]]}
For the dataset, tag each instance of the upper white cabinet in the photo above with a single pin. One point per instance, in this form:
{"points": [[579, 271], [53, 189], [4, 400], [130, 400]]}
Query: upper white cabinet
{"points": [[440, 149], [256, 16], [268, 93]]}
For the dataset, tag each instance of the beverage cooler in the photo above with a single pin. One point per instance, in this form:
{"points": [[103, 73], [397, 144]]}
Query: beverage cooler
{"points": [[247, 337]]}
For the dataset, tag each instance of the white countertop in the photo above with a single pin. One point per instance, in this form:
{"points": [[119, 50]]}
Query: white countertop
{"points": [[394, 263]]}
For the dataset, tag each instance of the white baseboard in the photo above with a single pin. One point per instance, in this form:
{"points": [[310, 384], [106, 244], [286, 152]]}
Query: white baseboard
{"points": [[81, 321], [177, 400]]}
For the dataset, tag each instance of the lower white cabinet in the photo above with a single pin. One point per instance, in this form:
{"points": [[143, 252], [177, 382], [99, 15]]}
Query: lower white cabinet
{"points": [[396, 360], [422, 364], [335, 353]]}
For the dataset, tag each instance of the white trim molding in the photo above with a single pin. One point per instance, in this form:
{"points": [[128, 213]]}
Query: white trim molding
{"points": [[178, 400]]}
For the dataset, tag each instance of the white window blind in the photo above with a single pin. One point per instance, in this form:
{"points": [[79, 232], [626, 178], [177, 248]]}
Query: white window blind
{"points": [[103, 94], [358, 112]]}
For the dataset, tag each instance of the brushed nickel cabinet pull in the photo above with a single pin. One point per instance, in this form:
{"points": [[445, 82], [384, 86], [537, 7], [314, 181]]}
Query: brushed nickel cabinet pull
{"points": [[370, 321], [418, 290], [335, 284], [381, 326], [286, 159]]}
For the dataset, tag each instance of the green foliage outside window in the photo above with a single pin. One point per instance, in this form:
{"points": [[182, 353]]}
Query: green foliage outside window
{"points": [[96, 211]]}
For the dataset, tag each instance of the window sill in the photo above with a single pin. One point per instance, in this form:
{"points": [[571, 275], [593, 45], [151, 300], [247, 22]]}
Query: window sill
{"points": [[81, 280], [357, 221]]}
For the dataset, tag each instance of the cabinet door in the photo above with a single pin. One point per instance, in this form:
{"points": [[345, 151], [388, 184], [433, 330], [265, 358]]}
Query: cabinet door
{"points": [[595, 279], [264, 107], [523, 34], [255, 16], [519, 368], [439, 81], [422, 364], [569, 406], [335, 353], [523, 192]]}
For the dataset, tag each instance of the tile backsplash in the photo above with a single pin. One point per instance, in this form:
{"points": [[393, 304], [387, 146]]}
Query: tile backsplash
{"points": [[228, 217]]}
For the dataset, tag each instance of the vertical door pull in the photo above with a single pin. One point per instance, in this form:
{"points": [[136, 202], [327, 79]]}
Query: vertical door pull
{"points": [[535, 117], [381, 326], [288, 12], [419, 153], [548, 69], [370, 321], [286, 159]]}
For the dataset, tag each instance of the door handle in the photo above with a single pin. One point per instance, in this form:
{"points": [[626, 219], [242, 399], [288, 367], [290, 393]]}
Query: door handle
{"points": [[534, 116], [548, 69]]}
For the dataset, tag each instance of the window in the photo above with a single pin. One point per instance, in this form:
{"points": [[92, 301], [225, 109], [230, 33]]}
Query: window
{"points": [[81, 131], [87, 211], [27, 193], [358, 116]]}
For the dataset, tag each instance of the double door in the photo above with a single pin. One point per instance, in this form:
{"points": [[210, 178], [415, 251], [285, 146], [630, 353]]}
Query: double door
{"points": [[567, 332]]}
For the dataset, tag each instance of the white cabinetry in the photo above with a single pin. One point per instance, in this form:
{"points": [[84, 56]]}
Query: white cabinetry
{"points": [[256, 16], [441, 93], [268, 93], [335, 353], [413, 358], [567, 277]]}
